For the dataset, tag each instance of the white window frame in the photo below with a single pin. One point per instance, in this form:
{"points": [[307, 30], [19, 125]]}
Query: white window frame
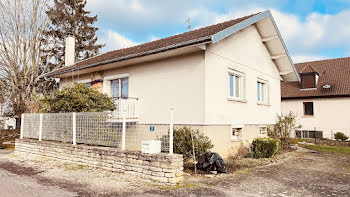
{"points": [[237, 137], [241, 77], [107, 83], [266, 91], [263, 130]]}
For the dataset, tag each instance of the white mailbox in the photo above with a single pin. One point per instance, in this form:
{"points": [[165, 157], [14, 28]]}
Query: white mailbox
{"points": [[152, 146]]}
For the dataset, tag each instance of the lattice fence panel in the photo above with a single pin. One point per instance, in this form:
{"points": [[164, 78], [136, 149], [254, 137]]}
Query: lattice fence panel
{"points": [[31, 125], [58, 127], [96, 128]]}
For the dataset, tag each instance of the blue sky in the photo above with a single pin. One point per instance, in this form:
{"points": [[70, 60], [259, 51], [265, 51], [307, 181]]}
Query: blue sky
{"points": [[312, 29]]}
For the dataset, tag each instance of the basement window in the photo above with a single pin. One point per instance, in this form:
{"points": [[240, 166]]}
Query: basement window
{"points": [[308, 108], [236, 134]]}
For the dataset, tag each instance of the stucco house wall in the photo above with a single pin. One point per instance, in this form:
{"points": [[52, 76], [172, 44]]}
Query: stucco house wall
{"points": [[243, 52], [330, 114]]}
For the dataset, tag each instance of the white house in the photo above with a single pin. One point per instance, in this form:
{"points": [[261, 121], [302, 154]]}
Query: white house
{"points": [[322, 101], [5, 121], [222, 79]]}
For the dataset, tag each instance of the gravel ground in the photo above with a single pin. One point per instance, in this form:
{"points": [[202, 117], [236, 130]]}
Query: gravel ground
{"points": [[301, 173]]}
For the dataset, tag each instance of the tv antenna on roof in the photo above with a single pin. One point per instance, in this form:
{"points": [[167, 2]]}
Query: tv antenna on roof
{"points": [[188, 23]]}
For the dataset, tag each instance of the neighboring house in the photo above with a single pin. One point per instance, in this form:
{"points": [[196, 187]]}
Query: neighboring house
{"points": [[6, 122], [322, 100], [222, 79]]}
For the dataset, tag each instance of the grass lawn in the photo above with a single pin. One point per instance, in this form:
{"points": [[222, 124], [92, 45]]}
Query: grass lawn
{"points": [[329, 149]]}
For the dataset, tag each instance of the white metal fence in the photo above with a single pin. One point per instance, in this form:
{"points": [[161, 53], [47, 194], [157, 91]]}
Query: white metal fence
{"points": [[321, 131], [96, 128]]}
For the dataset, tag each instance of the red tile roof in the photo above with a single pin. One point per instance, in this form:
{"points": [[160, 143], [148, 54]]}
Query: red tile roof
{"points": [[333, 72], [308, 69], [198, 35]]}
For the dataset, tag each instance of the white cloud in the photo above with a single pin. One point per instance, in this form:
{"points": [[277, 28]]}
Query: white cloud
{"points": [[307, 58], [110, 5], [154, 38], [137, 15], [114, 41], [317, 33]]}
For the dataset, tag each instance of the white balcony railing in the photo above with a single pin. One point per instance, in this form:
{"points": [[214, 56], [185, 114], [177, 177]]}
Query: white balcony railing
{"points": [[129, 105]]}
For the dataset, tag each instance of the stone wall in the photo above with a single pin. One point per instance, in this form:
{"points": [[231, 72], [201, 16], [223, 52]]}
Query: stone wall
{"points": [[157, 167]]}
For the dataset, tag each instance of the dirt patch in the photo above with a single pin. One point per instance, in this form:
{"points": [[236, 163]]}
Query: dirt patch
{"points": [[18, 169]]}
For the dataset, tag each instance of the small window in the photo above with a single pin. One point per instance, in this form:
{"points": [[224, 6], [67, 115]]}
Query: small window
{"points": [[308, 108], [308, 81], [236, 85], [236, 134], [263, 130], [262, 92]]}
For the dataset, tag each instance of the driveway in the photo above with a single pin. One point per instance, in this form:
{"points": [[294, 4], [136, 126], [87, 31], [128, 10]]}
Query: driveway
{"points": [[302, 173]]}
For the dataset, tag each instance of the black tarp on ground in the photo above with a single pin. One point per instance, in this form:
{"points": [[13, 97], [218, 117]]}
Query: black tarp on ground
{"points": [[212, 162]]}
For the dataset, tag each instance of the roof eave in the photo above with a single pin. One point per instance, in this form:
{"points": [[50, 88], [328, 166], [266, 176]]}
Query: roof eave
{"points": [[235, 28], [284, 45], [206, 39]]}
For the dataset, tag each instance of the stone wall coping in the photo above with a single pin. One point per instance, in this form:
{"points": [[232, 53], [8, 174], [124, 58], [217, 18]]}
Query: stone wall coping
{"points": [[104, 150]]}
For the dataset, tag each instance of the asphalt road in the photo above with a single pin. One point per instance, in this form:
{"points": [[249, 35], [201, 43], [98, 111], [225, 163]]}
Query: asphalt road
{"points": [[15, 185], [17, 181]]}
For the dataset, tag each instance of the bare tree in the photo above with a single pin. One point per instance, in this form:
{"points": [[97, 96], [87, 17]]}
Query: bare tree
{"points": [[21, 40]]}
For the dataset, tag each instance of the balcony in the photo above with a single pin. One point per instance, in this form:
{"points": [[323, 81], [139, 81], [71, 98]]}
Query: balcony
{"points": [[127, 105]]}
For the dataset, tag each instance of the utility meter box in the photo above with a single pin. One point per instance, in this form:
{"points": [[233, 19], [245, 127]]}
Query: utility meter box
{"points": [[152, 146]]}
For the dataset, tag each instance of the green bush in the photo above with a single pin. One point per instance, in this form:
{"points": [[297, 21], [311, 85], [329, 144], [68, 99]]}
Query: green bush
{"points": [[76, 98], [284, 126], [340, 136], [183, 142], [264, 147]]}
